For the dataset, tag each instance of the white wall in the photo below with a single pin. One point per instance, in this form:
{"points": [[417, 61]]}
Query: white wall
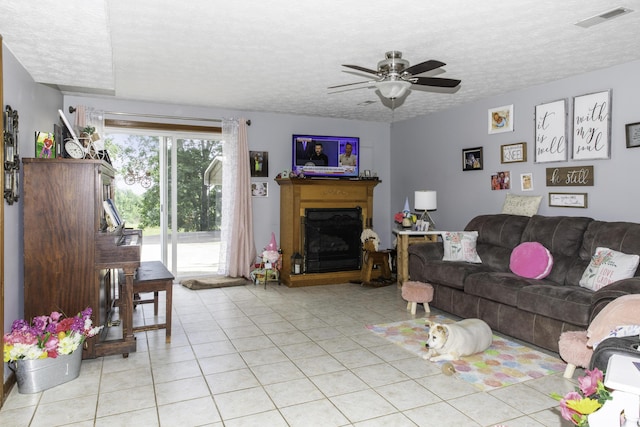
{"points": [[426, 153], [272, 133], [37, 107]]}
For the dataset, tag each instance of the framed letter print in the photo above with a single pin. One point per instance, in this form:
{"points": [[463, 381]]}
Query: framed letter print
{"points": [[472, 159], [501, 119], [512, 153], [592, 126], [633, 135], [568, 200], [551, 132]]}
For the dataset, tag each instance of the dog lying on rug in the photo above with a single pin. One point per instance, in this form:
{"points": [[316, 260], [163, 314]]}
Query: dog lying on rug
{"points": [[451, 341]]}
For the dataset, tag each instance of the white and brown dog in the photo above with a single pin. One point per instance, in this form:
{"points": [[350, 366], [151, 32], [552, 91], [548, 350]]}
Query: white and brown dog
{"points": [[450, 341]]}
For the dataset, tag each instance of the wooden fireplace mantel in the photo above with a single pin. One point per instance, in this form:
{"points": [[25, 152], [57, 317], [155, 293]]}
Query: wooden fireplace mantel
{"points": [[296, 195]]}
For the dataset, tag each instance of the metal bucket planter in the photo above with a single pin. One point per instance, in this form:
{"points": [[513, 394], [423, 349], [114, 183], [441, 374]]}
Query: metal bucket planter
{"points": [[37, 375]]}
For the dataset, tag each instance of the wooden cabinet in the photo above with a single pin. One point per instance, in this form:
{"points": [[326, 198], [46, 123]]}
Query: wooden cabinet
{"points": [[63, 212], [296, 195]]}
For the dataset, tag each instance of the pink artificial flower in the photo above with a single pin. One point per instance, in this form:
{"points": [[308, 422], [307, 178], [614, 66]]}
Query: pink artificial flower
{"points": [[568, 413], [55, 316], [589, 382]]}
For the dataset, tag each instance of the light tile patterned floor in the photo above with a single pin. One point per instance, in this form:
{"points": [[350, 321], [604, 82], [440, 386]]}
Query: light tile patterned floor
{"points": [[246, 356]]}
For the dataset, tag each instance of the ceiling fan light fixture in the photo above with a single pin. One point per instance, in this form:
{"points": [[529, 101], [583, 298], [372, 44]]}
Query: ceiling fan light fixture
{"points": [[393, 89]]}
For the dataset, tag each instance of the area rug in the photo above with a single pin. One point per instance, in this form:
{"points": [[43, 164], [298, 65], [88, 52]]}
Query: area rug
{"points": [[214, 282], [504, 363]]}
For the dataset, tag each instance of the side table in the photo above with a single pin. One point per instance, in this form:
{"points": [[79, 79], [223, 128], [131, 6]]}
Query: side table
{"points": [[405, 238]]}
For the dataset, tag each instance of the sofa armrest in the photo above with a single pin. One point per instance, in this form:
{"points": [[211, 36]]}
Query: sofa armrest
{"points": [[427, 251], [604, 296]]}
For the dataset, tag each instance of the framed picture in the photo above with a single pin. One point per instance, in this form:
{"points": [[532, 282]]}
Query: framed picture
{"points": [[260, 189], [551, 132], [45, 145], [568, 200], [501, 180], [501, 119], [526, 181], [633, 135], [592, 126], [513, 153], [472, 159], [259, 163], [367, 173]]}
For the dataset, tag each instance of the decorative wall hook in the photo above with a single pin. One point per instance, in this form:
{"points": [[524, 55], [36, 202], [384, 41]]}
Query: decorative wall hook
{"points": [[11, 156]]}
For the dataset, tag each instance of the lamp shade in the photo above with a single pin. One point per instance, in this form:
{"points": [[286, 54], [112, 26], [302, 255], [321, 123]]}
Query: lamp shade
{"points": [[393, 89], [426, 200]]}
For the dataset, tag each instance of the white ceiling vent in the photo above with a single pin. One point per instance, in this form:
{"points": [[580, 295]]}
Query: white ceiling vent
{"points": [[603, 17]]}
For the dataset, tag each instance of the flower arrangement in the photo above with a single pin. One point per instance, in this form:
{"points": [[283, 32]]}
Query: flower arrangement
{"points": [[591, 394], [48, 336]]}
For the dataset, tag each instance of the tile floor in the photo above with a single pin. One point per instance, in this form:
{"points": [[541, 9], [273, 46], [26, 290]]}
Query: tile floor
{"points": [[246, 356]]}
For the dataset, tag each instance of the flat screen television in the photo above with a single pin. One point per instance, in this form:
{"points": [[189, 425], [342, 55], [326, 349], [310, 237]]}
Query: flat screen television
{"points": [[325, 156]]}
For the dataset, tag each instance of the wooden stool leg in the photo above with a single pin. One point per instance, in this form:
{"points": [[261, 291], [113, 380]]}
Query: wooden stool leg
{"points": [[169, 300], [569, 370], [408, 305], [426, 307], [155, 303], [414, 305]]}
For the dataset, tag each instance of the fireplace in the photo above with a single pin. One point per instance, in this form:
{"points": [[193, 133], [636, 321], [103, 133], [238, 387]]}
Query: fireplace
{"points": [[332, 239]]}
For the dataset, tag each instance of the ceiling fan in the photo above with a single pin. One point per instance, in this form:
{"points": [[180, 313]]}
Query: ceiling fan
{"points": [[395, 76]]}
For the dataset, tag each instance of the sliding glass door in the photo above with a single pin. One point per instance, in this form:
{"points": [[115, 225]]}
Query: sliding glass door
{"points": [[169, 186]]}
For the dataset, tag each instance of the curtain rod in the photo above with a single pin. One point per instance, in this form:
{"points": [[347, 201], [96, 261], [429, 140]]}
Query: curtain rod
{"points": [[158, 116]]}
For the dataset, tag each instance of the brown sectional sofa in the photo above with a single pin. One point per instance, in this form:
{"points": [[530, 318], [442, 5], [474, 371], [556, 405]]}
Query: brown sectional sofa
{"points": [[536, 311]]}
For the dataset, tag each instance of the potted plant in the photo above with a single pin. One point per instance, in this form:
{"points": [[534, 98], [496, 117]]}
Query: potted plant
{"points": [[43, 353]]}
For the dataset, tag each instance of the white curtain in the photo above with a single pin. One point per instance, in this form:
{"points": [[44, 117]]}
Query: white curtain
{"points": [[238, 249]]}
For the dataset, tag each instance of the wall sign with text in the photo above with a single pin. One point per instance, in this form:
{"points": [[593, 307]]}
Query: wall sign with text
{"points": [[577, 176], [551, 132], [592, 126]]}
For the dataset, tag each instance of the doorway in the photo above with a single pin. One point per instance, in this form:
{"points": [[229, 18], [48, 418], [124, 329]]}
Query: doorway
{"points": [[166, 186]]}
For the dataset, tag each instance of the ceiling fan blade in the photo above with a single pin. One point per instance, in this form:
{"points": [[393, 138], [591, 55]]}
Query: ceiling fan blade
{"points": [[350, 84], [423, 67], [359, 68], [434, 81]]}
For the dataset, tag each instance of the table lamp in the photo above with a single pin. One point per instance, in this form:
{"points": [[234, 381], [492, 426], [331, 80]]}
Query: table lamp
{"points": [[426, 200]]}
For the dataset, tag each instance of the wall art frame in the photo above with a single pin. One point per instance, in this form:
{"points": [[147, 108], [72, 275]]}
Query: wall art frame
{"points": [[500, 119], [550, 121], [259, 163], [632, 132], [260, 189], [592, 126], [526, 181], [568, 200], [513, 153], [472, 159]]}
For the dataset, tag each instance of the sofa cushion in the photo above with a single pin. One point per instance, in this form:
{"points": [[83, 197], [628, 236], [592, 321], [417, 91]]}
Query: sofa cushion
{"points": [[449, 273], [562, 235], [531, 260], [608, 266], [494, 286], [570, 304], [460, 246], [497, 236], [620, 236]]}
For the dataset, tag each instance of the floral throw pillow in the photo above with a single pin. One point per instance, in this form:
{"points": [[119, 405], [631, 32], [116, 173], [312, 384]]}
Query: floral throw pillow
{"points": [[460, 246], [608, 266]]}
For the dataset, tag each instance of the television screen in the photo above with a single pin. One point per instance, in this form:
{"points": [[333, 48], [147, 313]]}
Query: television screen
{"points": [[325, 156]]}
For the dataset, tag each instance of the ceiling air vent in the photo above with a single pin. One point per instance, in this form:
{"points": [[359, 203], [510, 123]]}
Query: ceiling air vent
{"points": [[603, 17]]}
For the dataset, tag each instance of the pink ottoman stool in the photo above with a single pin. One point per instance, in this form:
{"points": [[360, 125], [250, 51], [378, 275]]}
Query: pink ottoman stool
{"points": [[572, 347], [415, 292]]}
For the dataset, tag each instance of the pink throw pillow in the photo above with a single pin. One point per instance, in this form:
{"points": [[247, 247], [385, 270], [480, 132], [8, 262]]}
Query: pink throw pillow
{"points": [[531, 260]]}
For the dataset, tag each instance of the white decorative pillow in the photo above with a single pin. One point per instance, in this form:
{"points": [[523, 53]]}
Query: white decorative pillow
{"points": [[521, 205], [608, 266], [460, 246]]}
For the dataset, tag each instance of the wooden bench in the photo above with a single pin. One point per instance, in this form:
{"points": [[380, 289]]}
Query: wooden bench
{"points": [[153, 276]]}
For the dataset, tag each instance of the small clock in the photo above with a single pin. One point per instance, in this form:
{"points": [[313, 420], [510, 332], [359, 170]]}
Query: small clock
{"points": [[74, 149]]}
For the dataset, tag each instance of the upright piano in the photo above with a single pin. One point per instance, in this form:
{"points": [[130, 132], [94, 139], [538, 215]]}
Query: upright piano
{"points": [[68, 261]]}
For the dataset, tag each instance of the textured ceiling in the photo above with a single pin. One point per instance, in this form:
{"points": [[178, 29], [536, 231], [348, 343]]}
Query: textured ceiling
{"points": [[281, 55]]}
